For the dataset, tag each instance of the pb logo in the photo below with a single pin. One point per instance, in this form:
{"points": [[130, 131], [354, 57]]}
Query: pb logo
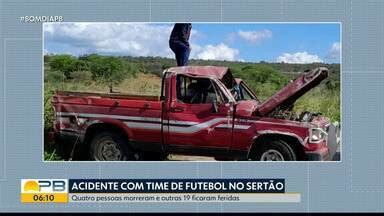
{"points": [[44, 186]]}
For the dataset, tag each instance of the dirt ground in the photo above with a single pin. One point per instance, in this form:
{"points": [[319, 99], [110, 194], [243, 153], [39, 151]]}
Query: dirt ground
{"points": [[174, 157]]}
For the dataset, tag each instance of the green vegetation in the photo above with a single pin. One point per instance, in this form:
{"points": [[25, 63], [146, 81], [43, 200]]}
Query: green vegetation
{"points": [[141, 75], [263, 79], [106, 69]]}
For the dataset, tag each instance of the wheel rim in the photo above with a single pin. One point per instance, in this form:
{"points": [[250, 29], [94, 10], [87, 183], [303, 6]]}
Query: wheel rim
{"points": [[272, 155], [109, 151]]}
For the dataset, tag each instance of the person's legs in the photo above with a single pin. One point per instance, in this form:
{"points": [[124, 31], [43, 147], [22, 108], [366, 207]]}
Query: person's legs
{"points": [[185, 56], [179, 58], [181, 53]]}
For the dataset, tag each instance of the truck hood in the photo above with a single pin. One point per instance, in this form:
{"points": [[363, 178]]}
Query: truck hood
{"points": [[292, 91]]}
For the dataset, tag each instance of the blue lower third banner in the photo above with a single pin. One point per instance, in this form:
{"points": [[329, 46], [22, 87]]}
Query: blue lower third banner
{"points": [[176, 185], [157, 190], [180, 190]]}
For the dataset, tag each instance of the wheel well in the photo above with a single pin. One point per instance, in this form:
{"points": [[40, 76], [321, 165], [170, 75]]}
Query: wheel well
{"points": [[94, 129], [91, 130], [293, 142]]}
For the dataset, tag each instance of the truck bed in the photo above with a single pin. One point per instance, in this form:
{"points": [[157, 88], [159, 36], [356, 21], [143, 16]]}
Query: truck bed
{"points": [[122, 110], [74, 100], [107, 95]]}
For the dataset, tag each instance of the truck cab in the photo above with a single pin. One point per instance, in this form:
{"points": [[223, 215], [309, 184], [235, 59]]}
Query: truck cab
{"points": [[247, 126]]}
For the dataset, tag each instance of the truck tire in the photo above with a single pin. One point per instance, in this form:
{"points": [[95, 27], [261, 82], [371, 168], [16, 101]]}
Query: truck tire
{"points": [[273, 150], [110, 146]]}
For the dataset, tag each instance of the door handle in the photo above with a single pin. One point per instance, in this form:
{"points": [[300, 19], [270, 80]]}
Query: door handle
{"points": [[147, 105], [177, 109]]}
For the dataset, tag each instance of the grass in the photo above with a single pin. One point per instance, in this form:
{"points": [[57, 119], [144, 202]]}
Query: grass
{"points": [[320, 100], [50, 153]]}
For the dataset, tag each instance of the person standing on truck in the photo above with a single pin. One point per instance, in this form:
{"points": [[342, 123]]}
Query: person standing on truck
{"points": [[179, 42]]}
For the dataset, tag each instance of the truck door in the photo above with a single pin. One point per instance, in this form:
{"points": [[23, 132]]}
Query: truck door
{"points": [[192, 118]]}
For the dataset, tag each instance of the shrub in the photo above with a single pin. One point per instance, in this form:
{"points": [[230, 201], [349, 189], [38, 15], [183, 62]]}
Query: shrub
{"points": [[264, 79], [332, 85], [54, 76], [82, 76], [64, 63], [107, 69], [48, 109]]}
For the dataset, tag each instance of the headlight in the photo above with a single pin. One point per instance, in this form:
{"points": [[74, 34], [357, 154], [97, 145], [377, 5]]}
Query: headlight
{"points": [[316, 135]]}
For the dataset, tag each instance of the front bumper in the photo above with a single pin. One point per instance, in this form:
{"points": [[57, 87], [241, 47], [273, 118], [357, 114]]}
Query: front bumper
{"points": [[322, 154], [326, 152]]}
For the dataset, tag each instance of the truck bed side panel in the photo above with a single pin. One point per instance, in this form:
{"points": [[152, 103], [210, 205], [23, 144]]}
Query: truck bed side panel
{"points": [[138, 118]]}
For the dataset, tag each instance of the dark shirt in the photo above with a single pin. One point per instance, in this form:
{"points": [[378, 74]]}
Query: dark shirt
{"points": [[181, 33]]}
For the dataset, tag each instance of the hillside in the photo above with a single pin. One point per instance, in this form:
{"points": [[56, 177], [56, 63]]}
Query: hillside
{"points": [[158, 64], [141, 75]]}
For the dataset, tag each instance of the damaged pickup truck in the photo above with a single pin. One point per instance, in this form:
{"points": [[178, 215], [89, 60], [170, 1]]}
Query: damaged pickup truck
{"points": [[202, 110]]}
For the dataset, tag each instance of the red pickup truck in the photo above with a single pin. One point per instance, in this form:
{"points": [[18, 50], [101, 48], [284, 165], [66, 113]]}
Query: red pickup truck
{"points": [[202, 110]]}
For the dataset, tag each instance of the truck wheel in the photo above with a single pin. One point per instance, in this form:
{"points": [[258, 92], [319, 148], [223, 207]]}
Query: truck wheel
{"points": [[110, 146], [273, 150]]}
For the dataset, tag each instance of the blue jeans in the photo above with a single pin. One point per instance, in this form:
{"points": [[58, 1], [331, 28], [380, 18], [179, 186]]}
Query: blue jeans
{"points": [[181, 52]]}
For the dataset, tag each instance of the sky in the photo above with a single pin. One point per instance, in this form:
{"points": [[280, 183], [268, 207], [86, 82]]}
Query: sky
{"points": [[249, 42]]}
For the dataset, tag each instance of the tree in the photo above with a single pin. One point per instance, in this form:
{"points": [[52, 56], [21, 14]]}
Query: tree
{"points": [[109, 70], [63, 63], [80, 65], [262, 74]]}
